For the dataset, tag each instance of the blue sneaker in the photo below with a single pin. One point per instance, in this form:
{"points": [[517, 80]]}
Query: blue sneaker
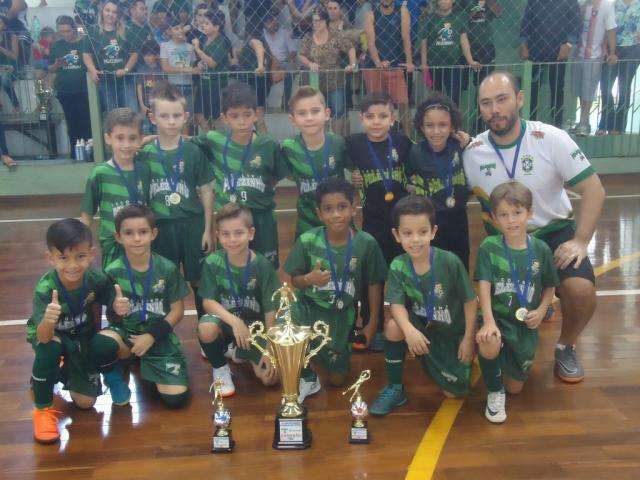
{"points": [[120, 392], [390, 397], [377, 343]]}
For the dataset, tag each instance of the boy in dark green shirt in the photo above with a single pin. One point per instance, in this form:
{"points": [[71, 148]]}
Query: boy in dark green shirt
{"points": [[433, 307], [330, 265]]}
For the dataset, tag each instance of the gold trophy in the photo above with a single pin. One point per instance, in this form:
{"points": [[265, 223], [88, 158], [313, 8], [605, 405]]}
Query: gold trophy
{"points": [[44, 94], [359, 432], [289, 352], [222, 441]]}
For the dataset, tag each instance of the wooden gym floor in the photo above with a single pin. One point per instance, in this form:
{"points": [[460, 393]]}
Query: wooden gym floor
{"points": [[554, 431]]}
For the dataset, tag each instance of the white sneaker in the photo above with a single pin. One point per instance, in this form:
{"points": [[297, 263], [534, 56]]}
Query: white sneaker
{"points": [[308, 388], [495, 409], [231, 354], [224, 375]]}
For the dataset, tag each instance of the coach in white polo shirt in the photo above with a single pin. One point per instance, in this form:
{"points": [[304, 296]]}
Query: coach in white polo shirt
{"points": [[545, 159]]}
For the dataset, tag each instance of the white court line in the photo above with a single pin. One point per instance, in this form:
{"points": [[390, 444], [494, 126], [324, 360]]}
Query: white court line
{"points": [[191, 313]]}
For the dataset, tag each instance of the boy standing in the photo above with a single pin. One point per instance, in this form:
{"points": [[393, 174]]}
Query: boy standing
{"points": [[433, 306], [156, 289], [237, 289], [312, 156], [516, 282], [119, 182], [63, 325], [247, 166], [179, 193], [330, 265]]}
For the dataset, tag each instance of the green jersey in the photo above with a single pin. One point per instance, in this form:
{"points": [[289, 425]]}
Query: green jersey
{"points": [[189, 172], [479, 22], [110, 51], [70, 77], [107, 191], [136, 35], [166, 286], [493, 266], [254, 298], [256, 177], [367, 266], [443, 38], [96, 289], [219, 50], [303, 173], [452, 289]]}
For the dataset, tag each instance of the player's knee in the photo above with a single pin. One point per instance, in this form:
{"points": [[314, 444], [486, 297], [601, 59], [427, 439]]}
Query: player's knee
{"points": [[392, 331], [337, 379], [208, 332], [513, 387], [578, 291], [83, 402], [175, 401], [489, 350]]}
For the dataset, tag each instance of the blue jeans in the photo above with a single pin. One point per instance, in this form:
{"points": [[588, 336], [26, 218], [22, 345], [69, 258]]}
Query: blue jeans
{"points": [[614, 117], [336, 102]]}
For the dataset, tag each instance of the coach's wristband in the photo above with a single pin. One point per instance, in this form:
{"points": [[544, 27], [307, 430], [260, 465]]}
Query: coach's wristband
{"points": [[160, 329]]}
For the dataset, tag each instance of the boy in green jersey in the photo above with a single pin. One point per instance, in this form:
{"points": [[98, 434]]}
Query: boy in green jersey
{"points": [[63, 324], [237, 289], [433, 307], [313, 155], [117, 183], [516, 282], [247, 166], [155, 290], [329, 265], [179, 194]]}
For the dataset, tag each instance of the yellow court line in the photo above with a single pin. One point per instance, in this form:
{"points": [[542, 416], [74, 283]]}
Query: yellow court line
{"points": [[428, 453]]}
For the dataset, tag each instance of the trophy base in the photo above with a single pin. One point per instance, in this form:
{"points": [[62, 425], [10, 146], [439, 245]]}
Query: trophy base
{"points": [[222, 443], [359, 434], [291, 433]]}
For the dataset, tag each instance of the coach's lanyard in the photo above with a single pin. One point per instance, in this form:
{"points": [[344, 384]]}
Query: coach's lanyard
{"points": [[511, 173]]}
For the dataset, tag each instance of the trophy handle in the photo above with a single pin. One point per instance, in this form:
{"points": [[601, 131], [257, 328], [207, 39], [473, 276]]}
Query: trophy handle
{"points": [[256, 330], [320, 329]]}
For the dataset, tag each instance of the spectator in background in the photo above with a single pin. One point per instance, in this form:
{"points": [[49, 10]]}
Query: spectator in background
{"points": [[613, 119], [548, 31], [7, 161], [361, 11], [40, 53], [8, 62], [86, 13], [443, 42], [598, 29], [338, 22], [320, 51], [108, 57], [67, 74], [172, 9], [283, 51], [388, 30], [229, 31], [137, 30], [195, 29], [149, 73], [301, 11]]}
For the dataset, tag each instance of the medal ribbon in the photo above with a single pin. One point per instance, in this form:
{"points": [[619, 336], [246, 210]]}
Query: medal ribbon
{"points": [[341, 286], [447, 178], [521, 294], [326, 151], [133, 192], [511, 173], [146, 286], [173, 175], [430, 299], [74, 308], [385, 173], [238, 295], [232, 178]]}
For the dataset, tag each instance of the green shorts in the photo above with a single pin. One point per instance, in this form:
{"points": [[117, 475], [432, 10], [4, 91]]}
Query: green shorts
{"points": [[253, 354], [336, 355], [443, 366], [78, 374], [180, 240], [518, 350], [111, 250], [265, 240], [164, 363]]}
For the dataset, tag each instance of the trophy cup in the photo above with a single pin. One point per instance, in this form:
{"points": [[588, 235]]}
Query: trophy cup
{"points": [[359, 410], [222, 440], [289, 352], [44, 94]]}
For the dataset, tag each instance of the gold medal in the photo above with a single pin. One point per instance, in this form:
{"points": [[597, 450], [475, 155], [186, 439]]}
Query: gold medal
{"points": [[174, 198], [450, 202], [233, 198], [521, 314], [388, 197]]}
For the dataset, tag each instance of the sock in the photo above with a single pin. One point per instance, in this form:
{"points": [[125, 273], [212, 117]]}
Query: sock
{"points": [[175, 401], [215, 352], [103, 352], [394, 361], [308, 375], [198, 299], [44, 375], [491, 373]]}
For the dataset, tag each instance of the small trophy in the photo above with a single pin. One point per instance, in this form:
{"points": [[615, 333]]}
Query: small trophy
{"points": [[359, 410], [44, 94], [222, 440], [289, 352]]}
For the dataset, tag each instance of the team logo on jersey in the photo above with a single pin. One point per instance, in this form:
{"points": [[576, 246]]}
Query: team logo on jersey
{"points": [[578, 155], [487, 168], [332, 162], [438, 290], [159, 286], [256, 162], [527, 163], [445, 35], [535, 267], [394, 154], [478, 13], [537, 134], [71, 59], [173, 368], [251, 284], [353, 264], [112, 50]]}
